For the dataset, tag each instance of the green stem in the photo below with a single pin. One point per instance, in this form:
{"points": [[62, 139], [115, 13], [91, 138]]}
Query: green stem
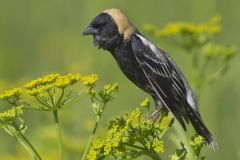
{"points": [[93, 133], [154, 156], [51, 98], [41, 101], [57, 125], [24, 142], [70, 100], [59, 102], [137, 147], [90, 139], [32, 149]]}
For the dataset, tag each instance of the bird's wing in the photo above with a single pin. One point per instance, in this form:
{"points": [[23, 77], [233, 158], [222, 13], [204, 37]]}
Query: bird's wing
{"points": [[163, 75]]}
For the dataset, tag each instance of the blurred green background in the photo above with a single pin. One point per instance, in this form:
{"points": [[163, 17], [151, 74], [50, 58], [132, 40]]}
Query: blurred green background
{"points": [[41, 37]]}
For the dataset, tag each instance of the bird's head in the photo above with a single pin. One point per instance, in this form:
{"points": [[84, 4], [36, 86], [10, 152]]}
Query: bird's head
{"points": [[109, 29]]}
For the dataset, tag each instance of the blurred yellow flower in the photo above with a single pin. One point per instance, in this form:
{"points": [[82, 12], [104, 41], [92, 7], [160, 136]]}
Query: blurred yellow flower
{"points": [[10, 115], [182, 28], [89, 80], [13, 93], [92, 155]]}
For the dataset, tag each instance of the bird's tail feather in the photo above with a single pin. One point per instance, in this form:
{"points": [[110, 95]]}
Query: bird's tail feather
{"points": [[200, 127]]}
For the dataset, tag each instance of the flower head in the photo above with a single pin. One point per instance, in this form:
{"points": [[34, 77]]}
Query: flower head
{"points": [[89, 80], [108, 91], [125, 133], [145, 103], [46, 83], [66, 80], [197, 141], [10, 115], [9, 94], [45, 80], [158, 146], [136, 113]]}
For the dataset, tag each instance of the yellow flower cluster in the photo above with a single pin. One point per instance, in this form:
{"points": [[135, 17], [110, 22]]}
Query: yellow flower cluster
{"points": [[46, 83], [124, 133], [197, 142], [13, 93], [214, 50], [45, 80], [136, 113], [64, 81], [89, 80], [10, 115], [108, 92], [212, 27], [158, 146], [145, 103], [92, 155]]}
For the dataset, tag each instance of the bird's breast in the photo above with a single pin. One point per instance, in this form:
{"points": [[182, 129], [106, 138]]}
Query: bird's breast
{"points": [[127, 62]]}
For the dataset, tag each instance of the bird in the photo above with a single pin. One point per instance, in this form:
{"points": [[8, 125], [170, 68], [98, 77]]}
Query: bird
{"points": [[149, 68]]}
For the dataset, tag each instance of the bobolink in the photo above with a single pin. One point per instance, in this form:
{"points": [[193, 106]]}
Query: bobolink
{"points": [[148, 67]]}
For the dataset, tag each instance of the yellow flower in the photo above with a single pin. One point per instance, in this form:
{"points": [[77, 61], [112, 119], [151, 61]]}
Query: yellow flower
{"points": [[98, 144], [117, 139], [40, 90], [197, 141], [45, 80], [13, 93], [92, 155], [145, 103], [49, 78], [107, 149], [32, 84], [46, 83], [158, 146], [10, 115], [214, 29], [64, 81], [170, 30], [175, 29], [108, 91], [89, 80], [136, 113]]}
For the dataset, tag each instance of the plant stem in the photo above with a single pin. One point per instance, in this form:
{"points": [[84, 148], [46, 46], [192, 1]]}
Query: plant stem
{"points": [[91, 138], [57, 125], [93, 133], [30, 146], [24, 142]]}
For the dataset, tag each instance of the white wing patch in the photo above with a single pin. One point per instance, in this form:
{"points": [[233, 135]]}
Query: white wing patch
{"points": [[148, 44], [191, 100]]}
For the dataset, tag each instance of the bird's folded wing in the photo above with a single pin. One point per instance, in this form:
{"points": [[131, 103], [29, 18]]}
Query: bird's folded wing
{"points": [[162, 75]]}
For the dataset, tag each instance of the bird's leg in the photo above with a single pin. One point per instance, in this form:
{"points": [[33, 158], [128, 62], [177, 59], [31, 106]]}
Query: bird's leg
{"points": [[156, 114]]}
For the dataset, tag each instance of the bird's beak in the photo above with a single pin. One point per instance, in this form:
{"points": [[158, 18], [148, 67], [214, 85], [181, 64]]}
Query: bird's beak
{"points": [[90, 30]]}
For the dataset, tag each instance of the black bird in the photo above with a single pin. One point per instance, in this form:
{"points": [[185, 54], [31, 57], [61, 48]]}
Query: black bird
{"points": [[148, 67]]}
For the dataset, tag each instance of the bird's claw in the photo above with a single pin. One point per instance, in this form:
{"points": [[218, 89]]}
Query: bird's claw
{"points": [[155, 115]]}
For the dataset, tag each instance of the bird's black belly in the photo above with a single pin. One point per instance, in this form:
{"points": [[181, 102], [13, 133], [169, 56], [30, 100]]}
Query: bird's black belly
{"points": [[130, 67]]}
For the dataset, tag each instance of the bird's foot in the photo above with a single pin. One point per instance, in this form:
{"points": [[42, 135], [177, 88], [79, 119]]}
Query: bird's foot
{"points": [[155, 115]]}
